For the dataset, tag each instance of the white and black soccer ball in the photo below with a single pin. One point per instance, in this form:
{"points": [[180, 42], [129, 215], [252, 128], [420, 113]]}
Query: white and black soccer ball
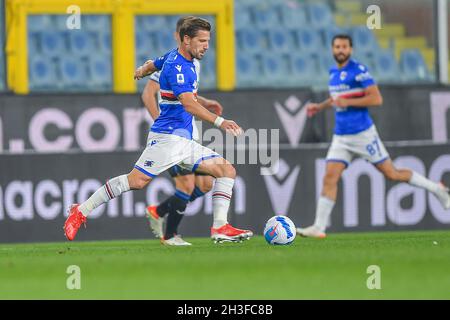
{"points": [[279, 230]]}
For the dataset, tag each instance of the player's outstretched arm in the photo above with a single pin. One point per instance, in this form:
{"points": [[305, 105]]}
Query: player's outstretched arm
{"points": [[145, 70], [149, 98], [372, 98], [313, 108], [210, 104], [191, 105]]}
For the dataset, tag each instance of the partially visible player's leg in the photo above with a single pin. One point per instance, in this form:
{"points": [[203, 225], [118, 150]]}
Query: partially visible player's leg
{"points": [[415, 179], [203, 184], [111, 189], [326, 201], [225, 174], [338, 158]]}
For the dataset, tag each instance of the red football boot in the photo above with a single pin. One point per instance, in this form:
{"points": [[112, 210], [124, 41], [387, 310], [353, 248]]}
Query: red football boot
{"points": [[73, 222], [229, 233]]}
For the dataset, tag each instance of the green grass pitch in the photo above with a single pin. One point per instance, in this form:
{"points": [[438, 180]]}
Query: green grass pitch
{"points": [[413, 265]]}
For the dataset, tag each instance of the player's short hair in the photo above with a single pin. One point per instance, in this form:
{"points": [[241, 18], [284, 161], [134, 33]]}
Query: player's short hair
{"points": [[343, 37], [181, 21], [190, 27]]}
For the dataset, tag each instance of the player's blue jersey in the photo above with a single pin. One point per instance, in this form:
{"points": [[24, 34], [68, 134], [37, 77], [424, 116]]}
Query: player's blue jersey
{"points": [[350, 82], [178, 75]]}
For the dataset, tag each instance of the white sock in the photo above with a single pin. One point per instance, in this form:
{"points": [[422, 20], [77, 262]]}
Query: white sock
{"points": [[111, 189], [323, 211], [221, 197], [420, 181]]}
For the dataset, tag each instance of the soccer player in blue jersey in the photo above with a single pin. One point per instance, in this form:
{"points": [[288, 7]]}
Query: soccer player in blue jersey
{"points": [[352, 92], [170, 139], [188, 185]]}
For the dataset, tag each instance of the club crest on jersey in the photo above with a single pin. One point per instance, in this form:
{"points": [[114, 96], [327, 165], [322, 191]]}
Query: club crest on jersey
{"points": [[343, 75], [153, 143], [149, 163], [180, 78], [178, 67]]}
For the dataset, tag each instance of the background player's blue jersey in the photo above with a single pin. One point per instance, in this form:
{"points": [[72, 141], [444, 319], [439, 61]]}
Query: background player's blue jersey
{"points": [[178, 75], [350, 82]]}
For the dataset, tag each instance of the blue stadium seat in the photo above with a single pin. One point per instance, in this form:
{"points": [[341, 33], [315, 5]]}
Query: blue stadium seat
{"points": [[364, 58], [208, 72], [326, 62], [81, 43], [100, 71], [249, 72], [42, 73], [385, 67], [53, 43], [98, 23], [73, 73], [104, 42], [154, 23], [304, 70], [251, 40], [266, 17], [309, 41], [281, 40], [293, 15], [34, 42], [59, 22], [164, 41], [413, 66], [320, 15], [144, 43], [364, 39], [276, 71], [242, 19], [39, 23]]}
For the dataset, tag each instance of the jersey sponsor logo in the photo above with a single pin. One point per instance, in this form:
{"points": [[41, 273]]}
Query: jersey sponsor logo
{"points": [[178, 67], [363, 76], [180, 78]]}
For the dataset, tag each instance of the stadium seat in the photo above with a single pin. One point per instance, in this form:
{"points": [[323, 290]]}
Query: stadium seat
{"points": [[320, 15], [293, 15], [363, 39], [364, 58], [304, 70], [242, 19], [98, 23], [266, 17], [413, 66], [251, 40], [39, 23], [153, 23], [104, 42], [276, 71], [144, 43], [280, 40], [326, 62], [81, 43], [385, 67], [73, 73], [309, 41], [100, 71], [53, 43], [248, 71], [208, 72], [42, 73], [59, 22], [164, 41], [34, 42]]}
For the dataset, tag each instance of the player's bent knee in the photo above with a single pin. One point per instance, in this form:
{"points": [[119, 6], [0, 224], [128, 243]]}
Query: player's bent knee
{"points": [[185, 184], [138, 181], [229, 171]]}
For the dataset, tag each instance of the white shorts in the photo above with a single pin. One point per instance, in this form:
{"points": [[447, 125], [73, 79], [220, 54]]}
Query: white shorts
{"points": [[366, 145], [163, 151]]}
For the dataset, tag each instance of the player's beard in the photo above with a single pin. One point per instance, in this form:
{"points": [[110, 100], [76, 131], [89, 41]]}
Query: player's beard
{"points": [[341, 58], [197, 55]]}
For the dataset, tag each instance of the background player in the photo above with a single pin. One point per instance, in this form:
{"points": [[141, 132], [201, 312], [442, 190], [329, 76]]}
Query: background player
{"points": [[353, 91], [188, 186], [170, 140]]}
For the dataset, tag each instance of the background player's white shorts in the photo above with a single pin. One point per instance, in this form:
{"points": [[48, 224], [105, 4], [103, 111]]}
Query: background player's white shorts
{"points": [[166, 150], [366, 145]]}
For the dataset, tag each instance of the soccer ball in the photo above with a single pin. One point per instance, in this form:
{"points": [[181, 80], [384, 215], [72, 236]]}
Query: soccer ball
{"points": [[279, 230]]}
